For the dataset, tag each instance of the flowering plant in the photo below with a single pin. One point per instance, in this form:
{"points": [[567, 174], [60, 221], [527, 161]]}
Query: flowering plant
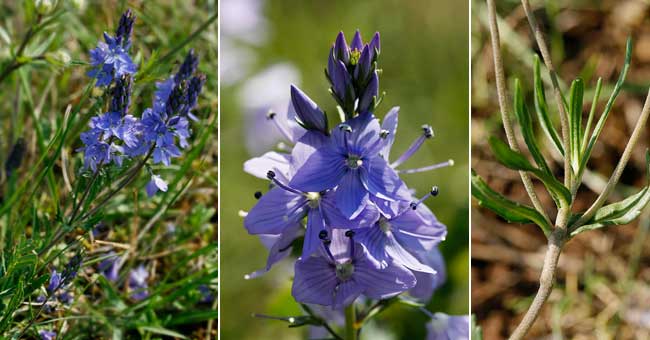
{"points": [[363, 239], [63, 261], [574, 145]]}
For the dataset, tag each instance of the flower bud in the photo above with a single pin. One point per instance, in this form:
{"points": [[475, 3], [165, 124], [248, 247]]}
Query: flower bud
{"points": [[366, 103], [341, 49], [310, 115]]}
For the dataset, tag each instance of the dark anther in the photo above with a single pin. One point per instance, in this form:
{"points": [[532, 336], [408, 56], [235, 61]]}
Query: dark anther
{"points": [[428, 131], [258, 194], [270, 115], [413, 205], [384, 133], [322, 235], [270, 174], [434, 191], [345, 127], [349, 233]]}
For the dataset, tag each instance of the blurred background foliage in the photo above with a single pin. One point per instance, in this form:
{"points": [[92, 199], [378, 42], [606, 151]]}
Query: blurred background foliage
{"points": [[173, 234], [425, 72], [602, 286]]}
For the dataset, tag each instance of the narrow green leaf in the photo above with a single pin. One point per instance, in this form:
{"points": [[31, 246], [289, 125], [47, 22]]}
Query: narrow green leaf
{"points": [[516, 161], [608, 107], [191, 317], [592, 111], [622, 212], [511, 211], [526, 125], [541, 107], [575, 121], [162, 331]]}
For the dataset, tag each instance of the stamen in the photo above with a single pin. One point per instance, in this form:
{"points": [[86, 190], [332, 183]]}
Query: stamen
{"points": [[427, 132], [433, 192], [326, 244], [427, 168], [384, 133], [271, 116], [271, 176], [258, 194], [322, 235], [350, 234], [347, 129]]}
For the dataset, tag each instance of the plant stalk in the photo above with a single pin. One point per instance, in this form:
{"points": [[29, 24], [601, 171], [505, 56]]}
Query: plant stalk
{"points": [[504, 106], [546, 281], [350, 322], [559, 99]]}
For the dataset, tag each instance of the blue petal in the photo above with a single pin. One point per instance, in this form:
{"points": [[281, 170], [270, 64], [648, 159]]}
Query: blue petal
{"points": [[382, 181], [323, 170], [428, 283], [418, 230], [280, 246], [400, 255], [351, 196], [383, 283], [274, 212], [346, 293], [374, 239], [335, 219], [305, 147], [260, 166], [314, 226], [389, 124], [314, 281]]}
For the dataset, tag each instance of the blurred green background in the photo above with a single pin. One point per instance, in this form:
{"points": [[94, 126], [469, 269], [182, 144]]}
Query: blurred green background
{"points": [[425, 71]]}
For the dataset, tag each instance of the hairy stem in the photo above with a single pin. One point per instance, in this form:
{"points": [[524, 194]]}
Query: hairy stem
{"points": [[546, 281], [504, 107], [546, 56], [638, 129], [350, 322]]}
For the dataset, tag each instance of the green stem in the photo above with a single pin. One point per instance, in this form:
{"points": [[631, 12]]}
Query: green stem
{"points": [[350, 322]]}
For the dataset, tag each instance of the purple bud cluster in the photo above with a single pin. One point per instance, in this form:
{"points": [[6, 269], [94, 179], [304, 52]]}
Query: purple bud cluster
{"points": [[161, 131], [335, 192]]}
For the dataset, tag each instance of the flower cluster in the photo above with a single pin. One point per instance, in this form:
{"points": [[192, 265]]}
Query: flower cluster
{"points": [[363, 232], [56, 289], [161, 131]]}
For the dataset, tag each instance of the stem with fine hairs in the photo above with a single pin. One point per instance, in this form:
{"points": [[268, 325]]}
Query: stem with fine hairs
{"points": [[505, 108]]}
